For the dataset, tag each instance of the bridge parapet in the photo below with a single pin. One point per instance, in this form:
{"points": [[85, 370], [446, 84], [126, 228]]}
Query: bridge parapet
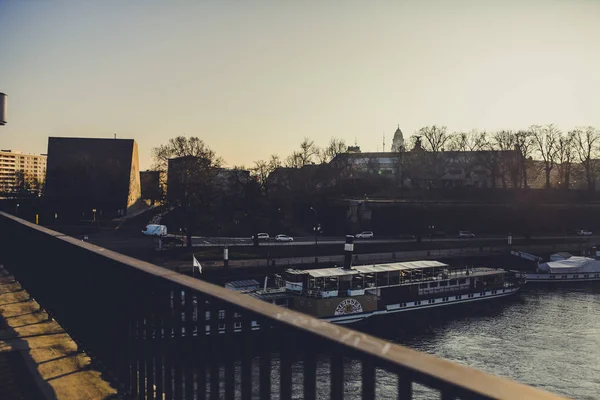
{"points": [[160, 334]]}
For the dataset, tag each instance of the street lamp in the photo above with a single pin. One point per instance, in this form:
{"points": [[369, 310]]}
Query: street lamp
{"points": [[316, 227], [17, 212], [94, 211]]}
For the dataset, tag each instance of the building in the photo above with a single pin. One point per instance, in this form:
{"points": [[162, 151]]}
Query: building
{"points": [[21, 172], [419, 168], [150, 186], [189, 176], [398, 141], [86, 174]]}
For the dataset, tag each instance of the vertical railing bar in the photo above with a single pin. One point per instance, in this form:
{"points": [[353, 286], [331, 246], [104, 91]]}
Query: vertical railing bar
{"points": [[169, 318], [310, 375], [229, 368], [133, 370], [201, 349], [368, 379], [158, 300], [337, 375], [141, 356], [285, 365], [179, 350], [189, 340], [149, 353], [247, 334], [215, 318], [265, 361], [404, 387], [446, 395]]}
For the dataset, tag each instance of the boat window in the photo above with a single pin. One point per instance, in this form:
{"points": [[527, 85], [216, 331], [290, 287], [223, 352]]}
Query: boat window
{"points": [[423, 285], [382, 279], [444, 283], [462, 280], [433, 284], [452, 281], [394, 277], [369, 280]]}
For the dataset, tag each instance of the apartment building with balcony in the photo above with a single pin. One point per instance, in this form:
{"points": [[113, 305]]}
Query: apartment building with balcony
{"points": [[21, 171]]}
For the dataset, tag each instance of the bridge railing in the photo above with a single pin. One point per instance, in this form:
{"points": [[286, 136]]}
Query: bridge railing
{"points": [[157, 334]]}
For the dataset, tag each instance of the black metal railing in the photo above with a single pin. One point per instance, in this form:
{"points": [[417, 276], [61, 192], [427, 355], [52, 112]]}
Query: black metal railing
{"points": [[156, 334]]}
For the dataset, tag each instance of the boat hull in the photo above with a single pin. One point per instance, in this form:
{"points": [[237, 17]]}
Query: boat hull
{"points": [[426, 304], [559, 278]]}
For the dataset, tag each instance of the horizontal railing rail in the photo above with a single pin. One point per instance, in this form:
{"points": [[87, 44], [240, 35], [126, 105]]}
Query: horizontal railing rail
{"points": [[160, 334]]}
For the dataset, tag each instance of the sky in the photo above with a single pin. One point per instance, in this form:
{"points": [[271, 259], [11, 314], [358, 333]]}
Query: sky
{"points": [[253, 78]]}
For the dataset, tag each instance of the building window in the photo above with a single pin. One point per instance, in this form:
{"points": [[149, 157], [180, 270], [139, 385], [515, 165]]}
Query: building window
{"points": [[221, 314], [237, 325]]}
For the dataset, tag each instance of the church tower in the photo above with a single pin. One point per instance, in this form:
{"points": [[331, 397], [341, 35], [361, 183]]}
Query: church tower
{"points": [[398, 141]]}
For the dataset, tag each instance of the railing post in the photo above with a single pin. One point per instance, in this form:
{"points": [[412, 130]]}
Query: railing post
{"points": [[337, 375], [310, 374], [368, 379]]}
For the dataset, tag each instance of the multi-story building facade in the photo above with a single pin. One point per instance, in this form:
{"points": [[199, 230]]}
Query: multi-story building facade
{"points": [[21, 171]]}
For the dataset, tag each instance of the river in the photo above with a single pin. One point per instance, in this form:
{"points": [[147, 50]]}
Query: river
{"points": [[544, 337]]}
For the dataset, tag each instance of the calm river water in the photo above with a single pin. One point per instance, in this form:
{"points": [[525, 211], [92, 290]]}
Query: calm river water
{"points": [[544, 337], [548, 338]]}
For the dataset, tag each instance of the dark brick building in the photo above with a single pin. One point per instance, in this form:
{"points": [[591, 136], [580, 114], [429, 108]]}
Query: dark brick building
{"points": [[150, 185], [85, 174]]}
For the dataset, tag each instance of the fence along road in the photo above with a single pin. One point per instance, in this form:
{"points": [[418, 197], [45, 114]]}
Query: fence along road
{"points": [[159, 334]]}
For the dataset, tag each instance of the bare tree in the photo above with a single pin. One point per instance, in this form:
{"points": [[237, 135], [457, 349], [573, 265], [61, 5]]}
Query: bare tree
{"points": [[435, 138], [262, 171], [294, 160], [191, 180], [524, 145], [546, 139], [489, 157], [564, 159], [333, 149], [585, 141], [505, 141]]}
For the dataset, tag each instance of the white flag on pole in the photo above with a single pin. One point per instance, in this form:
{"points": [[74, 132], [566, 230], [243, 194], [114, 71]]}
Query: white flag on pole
{"points": [[197, 264]]}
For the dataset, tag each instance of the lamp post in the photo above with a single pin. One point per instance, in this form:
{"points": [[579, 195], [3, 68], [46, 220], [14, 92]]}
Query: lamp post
{"points": [[17, 212], [431, 228], [94, 211], [316, 228]]}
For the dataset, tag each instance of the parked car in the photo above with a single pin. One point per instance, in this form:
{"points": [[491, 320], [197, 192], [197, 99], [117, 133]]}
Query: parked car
{"points": [[583, 232], [262, 236], [466, 234], [284, 238], [364, 235]]}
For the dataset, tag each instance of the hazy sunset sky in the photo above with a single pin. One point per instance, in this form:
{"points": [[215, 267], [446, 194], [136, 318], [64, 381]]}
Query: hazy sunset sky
{"points": [[253, 78]]}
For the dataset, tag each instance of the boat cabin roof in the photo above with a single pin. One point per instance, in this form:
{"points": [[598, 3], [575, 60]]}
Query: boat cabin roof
{"points": [[374, 268]]}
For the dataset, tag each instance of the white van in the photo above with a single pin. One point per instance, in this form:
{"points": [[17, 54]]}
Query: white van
{"points": [[155, 230]]}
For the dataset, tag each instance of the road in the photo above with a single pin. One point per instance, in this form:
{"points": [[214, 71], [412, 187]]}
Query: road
{"points": [[200, 241]]}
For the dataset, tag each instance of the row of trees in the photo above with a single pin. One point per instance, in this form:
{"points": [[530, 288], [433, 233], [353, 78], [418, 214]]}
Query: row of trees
{"points": [[509, 158], [577, 150]]}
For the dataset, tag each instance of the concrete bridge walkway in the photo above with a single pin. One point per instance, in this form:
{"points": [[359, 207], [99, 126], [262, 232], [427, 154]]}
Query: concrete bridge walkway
{"points": [[38, 359]]}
